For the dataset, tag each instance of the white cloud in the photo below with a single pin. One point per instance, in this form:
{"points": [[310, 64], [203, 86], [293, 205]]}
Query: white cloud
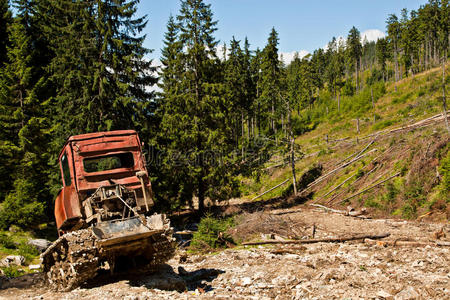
{"points": [[340, 40], [372, 35], [289, 56]]}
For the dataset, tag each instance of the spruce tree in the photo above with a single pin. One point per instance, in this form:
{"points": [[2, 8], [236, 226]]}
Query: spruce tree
{"points": [[196, 118], [393, 26], [5, 21], [382, 54], [354, 49], [270, 69], [99, 67], [26, 126]]}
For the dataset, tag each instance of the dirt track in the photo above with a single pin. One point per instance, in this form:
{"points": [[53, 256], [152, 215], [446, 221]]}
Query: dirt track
{"points": [[351, 270]]}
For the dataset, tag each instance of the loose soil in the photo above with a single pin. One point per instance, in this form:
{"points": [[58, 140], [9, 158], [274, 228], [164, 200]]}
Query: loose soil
{"points": [[351, 270]]}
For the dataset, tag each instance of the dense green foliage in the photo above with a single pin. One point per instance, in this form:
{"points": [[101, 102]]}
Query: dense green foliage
{"points": [[212, 232], [73, 66]]}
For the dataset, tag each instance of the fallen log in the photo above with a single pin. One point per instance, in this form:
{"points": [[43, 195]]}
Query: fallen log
{"points": [[371, 187], [336, 187], [330, 209], [351, 213], [271, 189], [405, 243], [322, 178], [323, 240], [278, 213]]}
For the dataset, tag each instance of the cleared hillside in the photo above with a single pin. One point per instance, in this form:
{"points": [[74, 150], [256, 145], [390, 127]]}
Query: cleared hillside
{"points": [[397, 142]]}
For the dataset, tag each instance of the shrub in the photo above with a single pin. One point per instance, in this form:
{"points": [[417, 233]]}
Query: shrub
{"points": [[444, 170], [12, 271], [6, 241], [21, 206], [382, 125], [27, 251], [211, 233], [349, 88]]}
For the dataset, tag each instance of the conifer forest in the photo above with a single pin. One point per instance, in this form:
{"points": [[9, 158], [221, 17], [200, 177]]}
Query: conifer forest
{"points": [[211, 116]]}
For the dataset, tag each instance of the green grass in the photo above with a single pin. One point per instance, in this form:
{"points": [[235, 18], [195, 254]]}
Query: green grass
{"points": [[416, 98], [16, 244]]}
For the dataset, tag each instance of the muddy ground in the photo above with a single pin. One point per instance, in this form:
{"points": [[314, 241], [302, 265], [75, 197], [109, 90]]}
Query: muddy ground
{"points": [[350, 270]]}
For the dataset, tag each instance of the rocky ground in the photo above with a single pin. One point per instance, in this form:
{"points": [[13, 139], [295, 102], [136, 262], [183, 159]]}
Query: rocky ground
{"points": [[350, 270]]}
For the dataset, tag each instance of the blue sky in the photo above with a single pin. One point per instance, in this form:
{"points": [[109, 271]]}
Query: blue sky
{"points": [[301, 24]]}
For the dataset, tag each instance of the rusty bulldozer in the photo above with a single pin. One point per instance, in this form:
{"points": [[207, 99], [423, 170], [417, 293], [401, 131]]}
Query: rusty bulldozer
{"points": [[103, 212]]}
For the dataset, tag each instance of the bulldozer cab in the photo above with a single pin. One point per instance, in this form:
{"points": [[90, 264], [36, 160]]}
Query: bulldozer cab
{"points": [[100, 173]]}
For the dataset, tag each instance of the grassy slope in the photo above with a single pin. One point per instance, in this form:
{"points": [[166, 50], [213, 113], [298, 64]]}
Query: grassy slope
{"points": [[416, 154]]}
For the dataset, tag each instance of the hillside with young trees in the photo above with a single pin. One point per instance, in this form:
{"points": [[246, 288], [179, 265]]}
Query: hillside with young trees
{"points": [[216, 122]]}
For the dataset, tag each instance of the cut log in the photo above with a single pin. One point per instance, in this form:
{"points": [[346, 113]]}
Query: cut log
{"points": [[406, 243], [343, 212], [371, 187], [320, 179], [354, 213], [285, 212], [324, 240], [335, 188], [271, 189]]}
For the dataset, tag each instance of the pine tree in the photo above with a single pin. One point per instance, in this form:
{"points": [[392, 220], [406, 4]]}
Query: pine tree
{"points": [[382, 54], [5, 21], [354, 49], [270, 69], [22, 85], [99, 66], [256, 75], [393, 26], [335, 66], [196, 118], [171, 68]]}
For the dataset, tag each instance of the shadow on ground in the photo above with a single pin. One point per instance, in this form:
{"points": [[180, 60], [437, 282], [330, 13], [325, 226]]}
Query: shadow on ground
{"points": [[163, 278]]}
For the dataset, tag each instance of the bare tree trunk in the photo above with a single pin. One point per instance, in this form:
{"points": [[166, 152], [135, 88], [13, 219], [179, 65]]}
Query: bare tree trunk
{"points": [[339, 102], [444, 104], [272, 117], [292, 154], [294, 178], [242, 134], [248, 128], [373, 105]]}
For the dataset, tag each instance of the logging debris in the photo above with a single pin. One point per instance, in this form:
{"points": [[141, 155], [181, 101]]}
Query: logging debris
{"points": [[323, 240]]}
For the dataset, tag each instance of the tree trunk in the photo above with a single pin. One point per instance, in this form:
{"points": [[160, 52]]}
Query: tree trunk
{"points": [[201, 194], [444, 104], [272, 118], [373, 105], [339, 102], [248, 128], [292, 154]]}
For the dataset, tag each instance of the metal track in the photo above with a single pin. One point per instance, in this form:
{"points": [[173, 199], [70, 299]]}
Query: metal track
{"points": [[75, 258], [71, 260]]}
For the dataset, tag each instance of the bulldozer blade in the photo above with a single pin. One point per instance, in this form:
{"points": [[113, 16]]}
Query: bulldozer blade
{"points": [[123, 231]]}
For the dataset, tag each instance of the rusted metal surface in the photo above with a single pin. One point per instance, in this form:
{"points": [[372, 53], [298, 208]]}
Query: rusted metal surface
{"points": [[102, 210], [92, 145]]}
